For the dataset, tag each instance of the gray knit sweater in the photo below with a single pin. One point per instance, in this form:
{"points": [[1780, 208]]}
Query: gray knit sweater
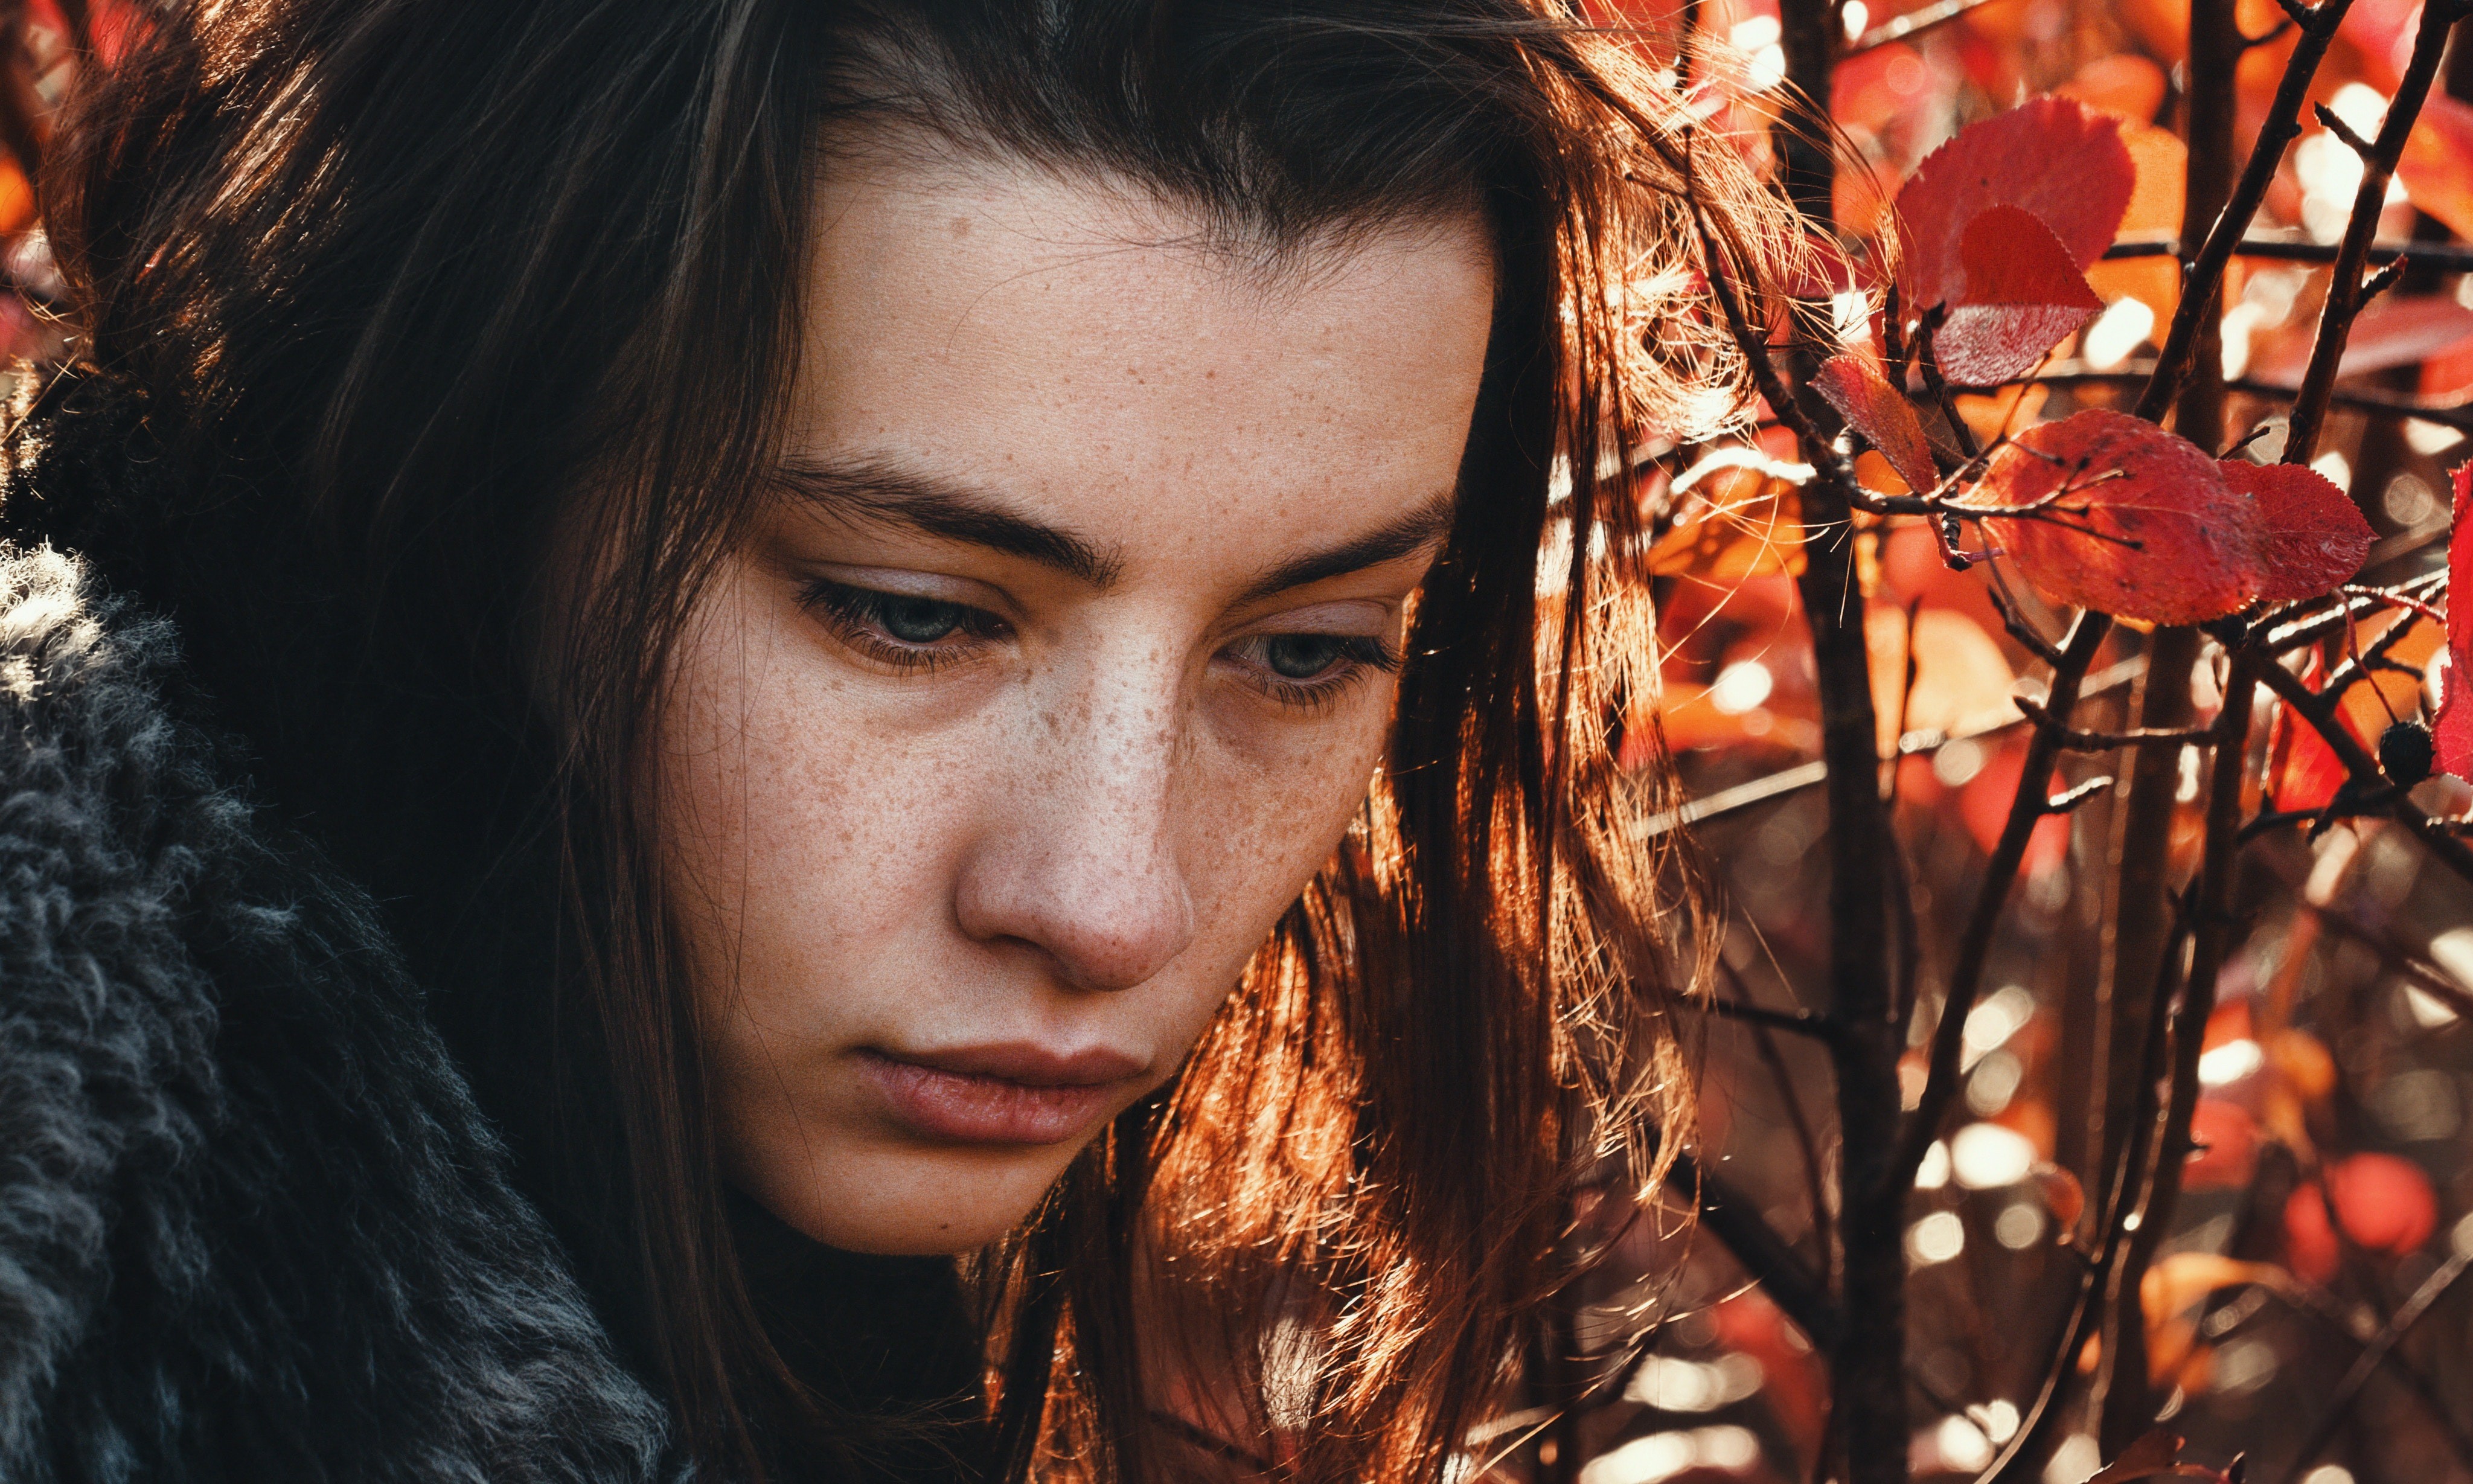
{"points": [[251, 1226]]}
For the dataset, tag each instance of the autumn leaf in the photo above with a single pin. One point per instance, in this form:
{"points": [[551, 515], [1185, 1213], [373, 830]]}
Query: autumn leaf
{"points": [[2163, 164], [2061, 162], [2436, 166], [2454, 727], [2023, 294], [2315, 535], [2158, 1454], [2305, 770], [2131, 520], [2382, 1202], [1862, 396]]}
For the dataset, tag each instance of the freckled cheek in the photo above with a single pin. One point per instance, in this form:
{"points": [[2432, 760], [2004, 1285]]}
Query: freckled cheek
{"points": [[810, 843], [1272, 819]]}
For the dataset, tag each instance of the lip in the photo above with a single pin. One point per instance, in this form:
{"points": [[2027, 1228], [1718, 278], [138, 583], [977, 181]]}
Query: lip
{"points": [[1016, 1092]]}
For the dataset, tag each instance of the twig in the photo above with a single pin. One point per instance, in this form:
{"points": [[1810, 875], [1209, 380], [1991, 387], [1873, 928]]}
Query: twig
{"points": [[1815, 1186], [2075, 741], [1769, 1257], [2026, 811], [2454, 257], [2301, 632], [2365, 772], [2349, 1389], [2133, 975], [2206, 274], [1803, 776], [2346, 292], [1940, 13], [2346, 1321], [1795, 1023], [2017, 626], [2450, 412]]}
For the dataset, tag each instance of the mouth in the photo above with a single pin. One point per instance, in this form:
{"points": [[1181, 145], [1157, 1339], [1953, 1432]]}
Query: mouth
{"points": [[1015, 1093]]}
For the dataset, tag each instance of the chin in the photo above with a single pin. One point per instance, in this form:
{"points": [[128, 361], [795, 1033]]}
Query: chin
{"points": [[913, 1201]]}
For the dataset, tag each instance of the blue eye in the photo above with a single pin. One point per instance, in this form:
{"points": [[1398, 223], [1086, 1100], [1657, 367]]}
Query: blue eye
{"points": [[898, 627], [918, 620], [1312, 671], [1302, 657]]}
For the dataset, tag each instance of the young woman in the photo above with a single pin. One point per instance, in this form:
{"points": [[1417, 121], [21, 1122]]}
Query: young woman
{"points": [[750, 739]]}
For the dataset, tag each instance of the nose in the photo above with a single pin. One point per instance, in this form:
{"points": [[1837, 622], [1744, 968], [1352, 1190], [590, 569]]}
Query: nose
{"points": [[1080, 857]]}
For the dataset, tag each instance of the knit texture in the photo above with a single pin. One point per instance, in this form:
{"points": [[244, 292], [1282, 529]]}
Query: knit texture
{"points": [[253, 1226]]}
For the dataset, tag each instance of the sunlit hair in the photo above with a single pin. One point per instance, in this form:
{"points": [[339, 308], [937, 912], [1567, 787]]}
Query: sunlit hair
{"points": [[424, 296]]}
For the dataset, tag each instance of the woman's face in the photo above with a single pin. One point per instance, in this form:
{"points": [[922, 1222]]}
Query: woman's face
{"points": [[1061, 663]]}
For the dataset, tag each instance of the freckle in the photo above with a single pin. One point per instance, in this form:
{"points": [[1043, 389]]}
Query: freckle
{"points": [[961, 226]]}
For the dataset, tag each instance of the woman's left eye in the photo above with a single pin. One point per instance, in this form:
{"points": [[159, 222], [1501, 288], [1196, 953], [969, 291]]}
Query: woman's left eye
{"points": [[1302, 657], [1309, 667]]}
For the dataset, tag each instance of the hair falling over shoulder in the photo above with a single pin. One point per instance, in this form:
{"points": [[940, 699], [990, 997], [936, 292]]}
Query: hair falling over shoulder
{"points": [[407, 281]]}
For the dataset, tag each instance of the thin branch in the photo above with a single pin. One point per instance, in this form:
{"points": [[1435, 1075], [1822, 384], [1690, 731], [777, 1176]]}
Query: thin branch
{"points": [[2017, 626], [2075, 741], [2346, 292], [2449, 412], [2180, 349], [1815, 1185], [2300, 632], [2365, 773], [1803, 776], [2347, 1321], [1795, 1023], [1940, 13], [1769, 1257], [2026, 811], [2349, 1389], [2454, 257]]}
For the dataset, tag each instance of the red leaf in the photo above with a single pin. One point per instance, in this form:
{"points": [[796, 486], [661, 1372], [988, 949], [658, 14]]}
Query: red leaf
{"points": [[2023, 294], [2315, 536], [2381, 31], [2063, 163], [2454, 729], [2310, 772], [2382, 1202], [1872, 407], [2135, 521], [2436, 166], [2227, 1152], [2309, 1246]]}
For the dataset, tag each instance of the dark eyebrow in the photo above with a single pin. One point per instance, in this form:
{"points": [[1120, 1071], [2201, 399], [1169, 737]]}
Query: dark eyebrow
{"points": [[941, 508], [1412, 532]]}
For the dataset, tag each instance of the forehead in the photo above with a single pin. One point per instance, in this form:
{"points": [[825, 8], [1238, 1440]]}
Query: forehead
{"points": [[1088, 351]]}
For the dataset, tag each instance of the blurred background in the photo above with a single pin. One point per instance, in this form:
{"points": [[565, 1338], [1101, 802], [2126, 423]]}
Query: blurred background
{"points": [[2335, 1184]]}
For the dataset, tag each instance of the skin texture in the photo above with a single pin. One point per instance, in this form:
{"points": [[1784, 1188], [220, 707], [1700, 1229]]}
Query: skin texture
{"points": [[927, 880]]}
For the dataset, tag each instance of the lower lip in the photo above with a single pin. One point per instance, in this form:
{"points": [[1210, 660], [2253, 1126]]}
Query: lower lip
{"points": [[959, 1109]]}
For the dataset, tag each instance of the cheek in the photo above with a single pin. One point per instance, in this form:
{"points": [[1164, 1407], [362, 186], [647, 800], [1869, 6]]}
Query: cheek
{"points": [[797, 833], [1267, 820]]}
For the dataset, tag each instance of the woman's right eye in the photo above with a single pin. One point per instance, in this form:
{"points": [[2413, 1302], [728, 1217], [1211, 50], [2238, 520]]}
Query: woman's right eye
{"points": [[899, 627]]}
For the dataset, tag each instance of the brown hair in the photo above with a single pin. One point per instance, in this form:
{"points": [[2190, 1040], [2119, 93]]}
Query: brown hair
{"points": [[411, 284]]}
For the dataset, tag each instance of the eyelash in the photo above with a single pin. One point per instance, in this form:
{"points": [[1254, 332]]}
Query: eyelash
{"points": [[858, 616], [1359, 660]]}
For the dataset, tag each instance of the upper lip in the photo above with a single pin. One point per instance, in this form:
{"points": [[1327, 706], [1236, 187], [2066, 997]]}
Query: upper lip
{"points": [[1029, 1064]]}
